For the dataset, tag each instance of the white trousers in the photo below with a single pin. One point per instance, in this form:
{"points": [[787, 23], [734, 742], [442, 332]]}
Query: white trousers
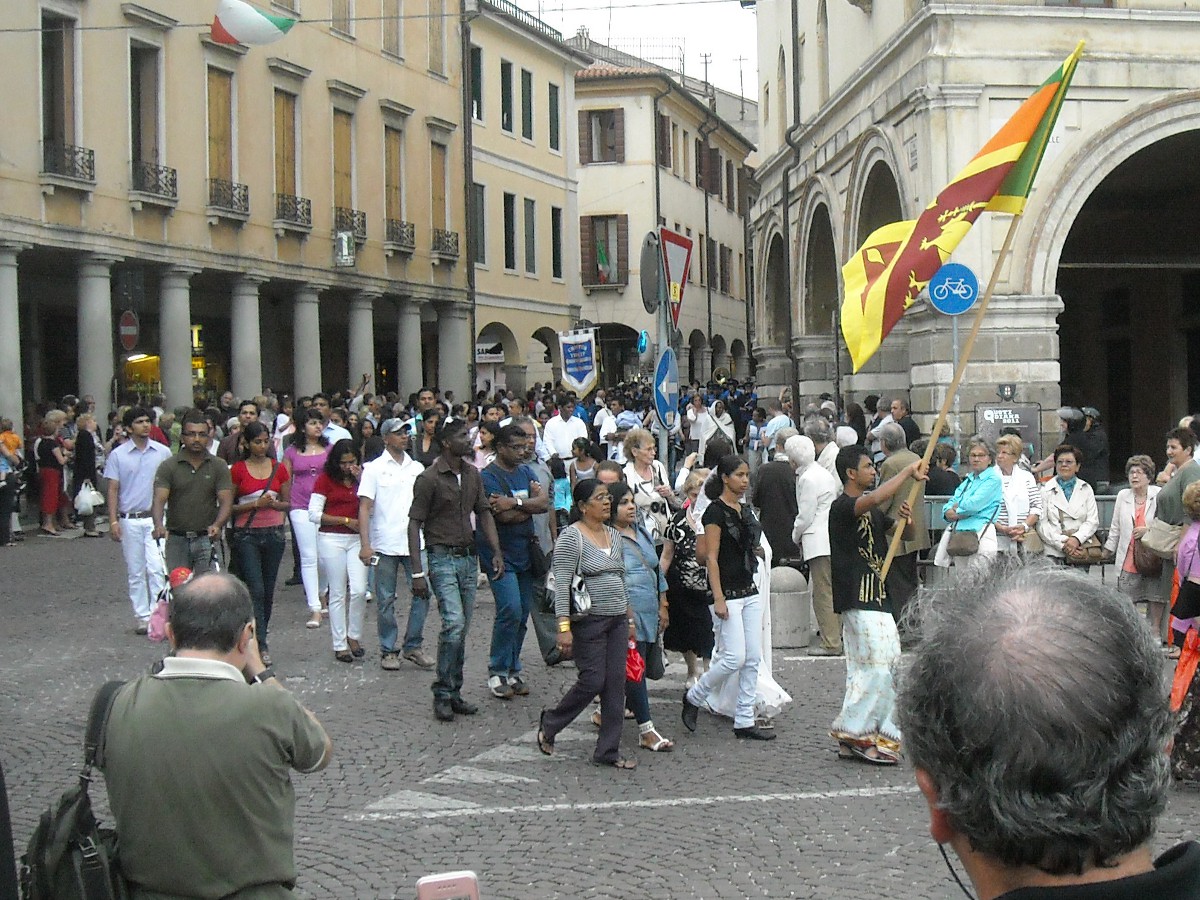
{"points": [[739, 638], [339, 559], [312, 573], [143, 564]]}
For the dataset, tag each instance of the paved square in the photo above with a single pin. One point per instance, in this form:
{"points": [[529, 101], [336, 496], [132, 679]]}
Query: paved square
{"points": [[406, 795]]}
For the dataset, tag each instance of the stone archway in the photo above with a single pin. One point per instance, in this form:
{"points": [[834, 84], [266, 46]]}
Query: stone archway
{"points": [[699, 363], [776, 307], [880, 202], [820, 274], [720, 353], [505, 367], [737, 360], [1129, 278], [546, 344]]}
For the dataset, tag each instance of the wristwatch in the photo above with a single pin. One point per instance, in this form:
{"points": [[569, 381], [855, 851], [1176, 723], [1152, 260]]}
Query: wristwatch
{"points": [[520, 502], [265, 675]]}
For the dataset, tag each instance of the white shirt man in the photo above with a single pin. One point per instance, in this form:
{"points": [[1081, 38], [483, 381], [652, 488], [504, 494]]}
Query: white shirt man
{"points": [[385, 495], [130, 472], [563, 429]]}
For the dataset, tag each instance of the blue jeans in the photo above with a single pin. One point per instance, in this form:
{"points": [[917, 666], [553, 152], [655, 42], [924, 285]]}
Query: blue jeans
{"points": [[258, 552], [637, 697], [453, 580], [514, 600], [191, 553], [386, 576]]}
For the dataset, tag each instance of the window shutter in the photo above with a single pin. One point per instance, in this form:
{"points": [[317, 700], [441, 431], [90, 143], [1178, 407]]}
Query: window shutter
{"points": [[664, 141], [730, 184], [623, 249], [585, 137], [743, 183], [701, 168], [587, 249], [619, 128], [714, 171]]}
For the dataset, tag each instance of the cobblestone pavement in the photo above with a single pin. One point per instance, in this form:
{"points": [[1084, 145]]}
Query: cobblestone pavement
{"points": [[406, 795]]}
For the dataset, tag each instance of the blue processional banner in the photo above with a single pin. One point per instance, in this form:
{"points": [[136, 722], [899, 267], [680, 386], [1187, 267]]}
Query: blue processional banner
{"points": [[581, 362]]}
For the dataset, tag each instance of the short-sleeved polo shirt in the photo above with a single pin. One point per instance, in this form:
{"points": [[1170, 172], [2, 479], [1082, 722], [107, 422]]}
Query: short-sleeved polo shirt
{"points": [[192, 505], [198, 768]]}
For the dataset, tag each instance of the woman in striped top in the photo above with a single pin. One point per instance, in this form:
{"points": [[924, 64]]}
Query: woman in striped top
{"points": [[599, 640], [1021, 503]]}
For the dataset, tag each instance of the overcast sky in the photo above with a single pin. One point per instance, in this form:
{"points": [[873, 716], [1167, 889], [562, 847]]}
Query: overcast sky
{"points": [[717, 27]]}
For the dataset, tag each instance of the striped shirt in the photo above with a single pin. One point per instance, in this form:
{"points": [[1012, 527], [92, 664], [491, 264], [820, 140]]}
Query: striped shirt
{"points": [[603, 572]]}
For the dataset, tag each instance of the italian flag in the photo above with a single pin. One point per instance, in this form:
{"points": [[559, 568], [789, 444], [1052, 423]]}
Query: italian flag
{"points": [[237, 22], [602, 269]]}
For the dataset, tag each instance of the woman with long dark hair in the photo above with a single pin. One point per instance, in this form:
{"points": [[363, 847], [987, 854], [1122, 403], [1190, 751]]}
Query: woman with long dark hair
{"points": [[260, 492], [304, 459], [597, 639], [425, 446], [731, 544], [333, 507], [646, 589]]}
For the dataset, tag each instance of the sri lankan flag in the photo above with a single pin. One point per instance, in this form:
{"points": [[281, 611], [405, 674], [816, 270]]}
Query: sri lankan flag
{"points": [[895, 263]]}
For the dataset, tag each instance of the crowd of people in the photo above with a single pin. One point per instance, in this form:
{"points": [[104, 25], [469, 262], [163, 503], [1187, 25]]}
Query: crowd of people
{"points": [[563, 509]]}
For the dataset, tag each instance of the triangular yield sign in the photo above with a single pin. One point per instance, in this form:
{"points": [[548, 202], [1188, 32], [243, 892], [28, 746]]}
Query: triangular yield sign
{"points": [[677, 259]]}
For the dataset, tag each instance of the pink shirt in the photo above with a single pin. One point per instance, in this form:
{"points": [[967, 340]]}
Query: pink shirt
{"points": [[305, 469]]}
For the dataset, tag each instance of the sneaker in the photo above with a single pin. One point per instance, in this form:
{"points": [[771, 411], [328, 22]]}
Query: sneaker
{"points": [[499, 687], [419, 658], [519, 686], [390, 661], [142, 627]]}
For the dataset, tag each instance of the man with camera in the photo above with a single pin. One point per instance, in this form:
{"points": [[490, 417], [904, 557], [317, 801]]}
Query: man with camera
{"points": [[197, 757]]}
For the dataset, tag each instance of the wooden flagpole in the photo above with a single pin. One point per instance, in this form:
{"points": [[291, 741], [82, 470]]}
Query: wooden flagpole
{"points": [[964, 358]]}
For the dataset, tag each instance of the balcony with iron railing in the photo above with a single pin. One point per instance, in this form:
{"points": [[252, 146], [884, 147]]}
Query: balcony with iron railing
{"points": [[352, 220], [401, 237], [445, 244], [68, 166], [153, 184], [292, 213], [531, 22], [228, 200]]}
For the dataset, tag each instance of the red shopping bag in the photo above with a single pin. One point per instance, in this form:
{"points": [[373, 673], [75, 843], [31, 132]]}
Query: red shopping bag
{"points": [[1185, 669], [635, 666]]}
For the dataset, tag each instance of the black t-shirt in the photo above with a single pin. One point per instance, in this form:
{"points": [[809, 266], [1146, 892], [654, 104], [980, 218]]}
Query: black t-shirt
{"points": [[739, 534], [45, 453], [911, 430], [857, 547]]}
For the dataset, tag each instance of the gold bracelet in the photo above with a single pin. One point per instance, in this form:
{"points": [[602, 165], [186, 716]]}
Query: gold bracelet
{"points": [[564, 627]]}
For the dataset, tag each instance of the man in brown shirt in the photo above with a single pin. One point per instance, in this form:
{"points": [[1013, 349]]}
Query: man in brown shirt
{"points": [[444, 497]]}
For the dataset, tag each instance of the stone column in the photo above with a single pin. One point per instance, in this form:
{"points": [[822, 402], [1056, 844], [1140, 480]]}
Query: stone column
{"points": [[454, 347], [245, 343], [175, 335], [704, 364], [408, 347], [11, 395], [306, 341], [362, 338], [96, 336]]}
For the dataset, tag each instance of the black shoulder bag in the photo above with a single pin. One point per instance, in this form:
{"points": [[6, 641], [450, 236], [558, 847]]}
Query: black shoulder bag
{"points": [[69, 854]]}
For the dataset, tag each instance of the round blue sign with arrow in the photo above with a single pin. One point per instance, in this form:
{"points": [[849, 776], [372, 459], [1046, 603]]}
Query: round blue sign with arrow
{"points": [[953, 289]]}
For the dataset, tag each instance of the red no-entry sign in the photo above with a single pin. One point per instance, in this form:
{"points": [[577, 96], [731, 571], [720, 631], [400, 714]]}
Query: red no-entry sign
{"points": [[128, 329]]}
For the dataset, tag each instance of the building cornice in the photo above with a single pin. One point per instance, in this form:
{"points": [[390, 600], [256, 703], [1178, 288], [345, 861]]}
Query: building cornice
{"points": [[142, 15]]}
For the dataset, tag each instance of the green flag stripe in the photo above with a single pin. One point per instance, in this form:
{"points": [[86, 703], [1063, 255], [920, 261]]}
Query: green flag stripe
{"points": [[1019, 181]]}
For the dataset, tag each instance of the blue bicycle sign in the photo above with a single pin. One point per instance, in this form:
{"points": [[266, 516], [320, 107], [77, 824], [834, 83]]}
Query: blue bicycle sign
{"points": [[953, 289]]}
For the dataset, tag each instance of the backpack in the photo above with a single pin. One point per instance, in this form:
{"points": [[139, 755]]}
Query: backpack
{"points": [[70, 857]]}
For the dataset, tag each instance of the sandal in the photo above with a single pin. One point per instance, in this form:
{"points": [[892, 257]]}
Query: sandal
{"points": [[619, 763], [356, 649], [314, 621], [875, 756], [343, 656], [659, 744], [543, 743], [1172, 652], [844, 750]]}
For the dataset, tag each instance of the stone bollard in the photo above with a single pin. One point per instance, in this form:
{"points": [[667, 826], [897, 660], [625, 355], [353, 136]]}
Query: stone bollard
{"points": [[791, 609]]}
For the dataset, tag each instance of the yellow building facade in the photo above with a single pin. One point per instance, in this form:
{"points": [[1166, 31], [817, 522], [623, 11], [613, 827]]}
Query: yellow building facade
{"points": [[524, 204], [287, 216]]}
